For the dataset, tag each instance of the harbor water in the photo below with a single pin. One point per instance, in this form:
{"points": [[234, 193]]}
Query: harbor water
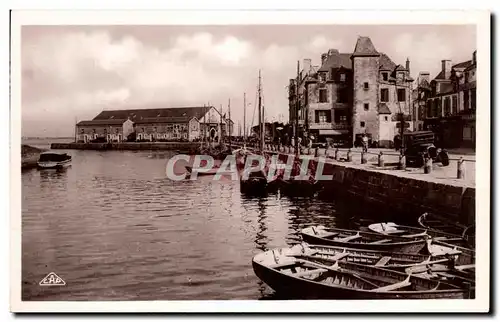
{"points": [[113, 227]]}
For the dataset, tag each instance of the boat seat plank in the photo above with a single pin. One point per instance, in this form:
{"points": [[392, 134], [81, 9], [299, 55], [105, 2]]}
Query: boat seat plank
{"points": [[381, 241], [394, 286], [384, 260], [349, 238], [416, 235], [339, 256], [310, 272]]}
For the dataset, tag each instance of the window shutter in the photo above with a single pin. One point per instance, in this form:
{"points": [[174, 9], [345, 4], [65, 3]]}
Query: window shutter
{"points": [[316, 119]]}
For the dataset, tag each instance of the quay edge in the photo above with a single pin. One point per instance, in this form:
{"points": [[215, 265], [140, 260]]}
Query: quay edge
{"points": [[386, 192]]}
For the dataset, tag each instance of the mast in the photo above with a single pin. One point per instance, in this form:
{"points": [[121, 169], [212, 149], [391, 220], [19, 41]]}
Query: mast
{"points": [[228, 126], [76, 128], [244, 118], [204, 123], [220, 125], [297, 106], [261, 116]]}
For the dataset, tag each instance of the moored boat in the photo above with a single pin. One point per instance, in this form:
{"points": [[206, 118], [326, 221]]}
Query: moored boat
{"points": [[328, 255], [300, 278], [446, 225], [51, 160], [362, 240], [392, 229], [463, 255]]}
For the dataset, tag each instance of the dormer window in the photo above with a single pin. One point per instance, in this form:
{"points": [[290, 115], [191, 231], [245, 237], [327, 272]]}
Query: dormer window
{"points": [[385, 76], [322, 77]]}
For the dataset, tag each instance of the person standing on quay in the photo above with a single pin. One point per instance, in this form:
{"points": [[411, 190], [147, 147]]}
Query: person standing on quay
{"points": [[365, 143]]}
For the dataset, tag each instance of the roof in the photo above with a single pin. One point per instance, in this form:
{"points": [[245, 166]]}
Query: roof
{"points": [[153, 113], [336, 60], [182, 119], [364, 47], [102, 122], [464, 64], [383, 109], [385, 63]]}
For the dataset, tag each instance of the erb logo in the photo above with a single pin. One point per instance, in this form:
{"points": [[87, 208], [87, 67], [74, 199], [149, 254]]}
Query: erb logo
{"points": [[52, 279]]}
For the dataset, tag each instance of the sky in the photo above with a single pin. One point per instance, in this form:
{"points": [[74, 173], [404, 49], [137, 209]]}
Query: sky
{"points": [[71, 73]]}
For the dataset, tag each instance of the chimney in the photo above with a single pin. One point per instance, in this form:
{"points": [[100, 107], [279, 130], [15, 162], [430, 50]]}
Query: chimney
{"points": [[446, 68], [424, 76], [323, 58], [474, 57], [408, 65], [307, 65]]}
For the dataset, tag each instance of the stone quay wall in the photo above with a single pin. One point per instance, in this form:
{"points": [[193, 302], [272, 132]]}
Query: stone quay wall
{"points": [[384, 191]]}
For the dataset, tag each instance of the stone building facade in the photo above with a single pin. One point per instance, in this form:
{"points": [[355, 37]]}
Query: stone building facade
{"points": [[155, 124], [352, 94], [451, 105]]}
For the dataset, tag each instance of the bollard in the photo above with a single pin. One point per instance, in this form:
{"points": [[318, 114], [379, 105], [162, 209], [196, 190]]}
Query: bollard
{"points": [[349, 156], [363, 157], [316, 152], [381, 161], [337, 154], [427, 164], [402, 162], [461, 168]]}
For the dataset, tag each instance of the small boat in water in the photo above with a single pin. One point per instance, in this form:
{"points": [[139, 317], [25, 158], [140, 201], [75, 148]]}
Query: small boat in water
{"points": [[439, 247], [392, 229], [301, 278], [328, 255], [51, 160], [446, 225], [362, 240]]}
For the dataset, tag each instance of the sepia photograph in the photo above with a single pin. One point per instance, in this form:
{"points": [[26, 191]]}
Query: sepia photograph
{"points": [[185, 158]]}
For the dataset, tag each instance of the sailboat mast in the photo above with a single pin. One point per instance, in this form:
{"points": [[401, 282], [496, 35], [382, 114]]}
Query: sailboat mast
{"points": [[297, 107], [228, 126], [244, 117], [261, 116]]}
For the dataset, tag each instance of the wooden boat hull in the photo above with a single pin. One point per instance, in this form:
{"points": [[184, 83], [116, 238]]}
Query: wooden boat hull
{"points": [[391, 229], [54, 164], [446, 225], [296, 286], [464, 256], [389, 260], [402, 245]]}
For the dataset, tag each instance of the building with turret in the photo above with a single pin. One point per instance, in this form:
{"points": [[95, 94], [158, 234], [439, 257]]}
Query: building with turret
{"points": [[352, 94]]}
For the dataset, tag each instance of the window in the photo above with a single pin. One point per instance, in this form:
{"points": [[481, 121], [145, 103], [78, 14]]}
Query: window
{"points": [[385, 76], [340, 116], [365, 85], [322, 77], [322, 95], [447, 107], [386, 118], [342, 77], [323, 116], [401, 95], [454, 104], [342, 95], [384, 95], [362, 124], [142, 129], [367, 106], [473, 99]]}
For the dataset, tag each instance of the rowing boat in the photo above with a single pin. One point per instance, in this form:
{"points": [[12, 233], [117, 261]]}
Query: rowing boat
{"points": [[362, 240], [438, 247], [442, 224], [328, 255], [301, 278], [392, 229]]}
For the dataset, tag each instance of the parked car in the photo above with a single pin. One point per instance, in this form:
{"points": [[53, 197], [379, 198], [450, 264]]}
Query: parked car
{"points": [[418, 144]]}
